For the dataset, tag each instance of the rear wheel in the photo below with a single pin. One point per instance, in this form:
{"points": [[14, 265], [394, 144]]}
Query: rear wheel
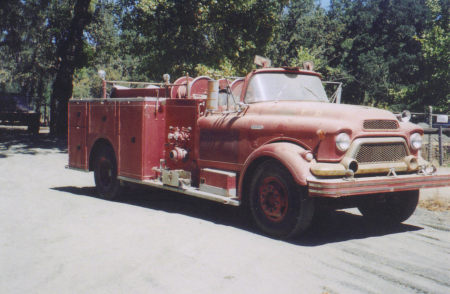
{"points": [[393, 207], [105, 174], [279, 207]]}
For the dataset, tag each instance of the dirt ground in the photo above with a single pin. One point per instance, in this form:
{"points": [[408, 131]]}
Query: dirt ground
{"points": [[57, 237]]}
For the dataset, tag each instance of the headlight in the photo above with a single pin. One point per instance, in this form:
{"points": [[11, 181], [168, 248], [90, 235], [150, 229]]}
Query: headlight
{"points": [[342, 142], [415, 141]]}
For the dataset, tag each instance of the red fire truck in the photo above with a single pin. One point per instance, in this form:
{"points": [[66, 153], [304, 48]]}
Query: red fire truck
{"points": [[270, 142]]}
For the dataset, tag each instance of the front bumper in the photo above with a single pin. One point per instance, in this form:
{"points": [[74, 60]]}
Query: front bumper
{"points": [[370, 185]]}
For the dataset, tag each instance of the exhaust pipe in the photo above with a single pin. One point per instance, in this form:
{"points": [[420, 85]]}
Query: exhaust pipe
{"points": [[411, 162], [350, 164]]}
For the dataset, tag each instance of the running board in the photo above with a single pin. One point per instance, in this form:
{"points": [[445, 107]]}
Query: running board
{"points": [[191, 191]]}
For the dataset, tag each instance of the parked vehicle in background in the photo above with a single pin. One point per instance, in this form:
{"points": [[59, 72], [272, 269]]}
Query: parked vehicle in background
{"points": [[15, 111]]}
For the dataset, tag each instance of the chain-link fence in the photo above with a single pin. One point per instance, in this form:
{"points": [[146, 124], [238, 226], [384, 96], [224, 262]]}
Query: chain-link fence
{"points": [[436, 153], [436, 141]]}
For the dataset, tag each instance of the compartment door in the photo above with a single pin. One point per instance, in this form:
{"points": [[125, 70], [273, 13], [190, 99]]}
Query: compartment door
{"points": [[130, 139], [77, 148]]}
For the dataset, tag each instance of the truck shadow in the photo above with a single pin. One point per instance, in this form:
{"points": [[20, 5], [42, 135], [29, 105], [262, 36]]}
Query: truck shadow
{"points": [[335, 227], [342, 225], [20, 141]]}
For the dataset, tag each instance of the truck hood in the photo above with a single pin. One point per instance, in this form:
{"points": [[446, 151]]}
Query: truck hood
{"points": [[326, 115], [315, 125]]}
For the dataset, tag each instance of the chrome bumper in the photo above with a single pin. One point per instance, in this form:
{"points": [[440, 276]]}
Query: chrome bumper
{"points": [[371, 185]]}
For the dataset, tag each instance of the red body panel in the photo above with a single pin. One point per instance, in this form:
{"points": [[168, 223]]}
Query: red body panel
{"points": [[140, 138], [176, 133], [131, 139], [199, 87], [78, 115], [154, 120], [231, 138], [139, 92], [77, 135], [181, 123], [102, 122], [133, 128], [77, 148]]}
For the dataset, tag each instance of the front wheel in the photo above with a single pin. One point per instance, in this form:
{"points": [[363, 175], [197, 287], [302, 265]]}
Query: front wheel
{"points": [[105, 174], [279, 207], [394, 207]]}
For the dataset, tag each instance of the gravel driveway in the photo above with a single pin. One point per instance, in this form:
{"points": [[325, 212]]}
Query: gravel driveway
{"points": [[57, 237]]}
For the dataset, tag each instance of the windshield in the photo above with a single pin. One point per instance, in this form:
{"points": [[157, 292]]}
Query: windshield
{"points": [[282, 86]]}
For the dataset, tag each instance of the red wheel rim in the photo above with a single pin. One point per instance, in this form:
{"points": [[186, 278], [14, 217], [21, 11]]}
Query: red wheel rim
{"points": [[273, 199]]}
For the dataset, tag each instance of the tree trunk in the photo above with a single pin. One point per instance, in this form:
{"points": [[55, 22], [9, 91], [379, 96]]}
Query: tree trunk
{"points": [[69, 53]]}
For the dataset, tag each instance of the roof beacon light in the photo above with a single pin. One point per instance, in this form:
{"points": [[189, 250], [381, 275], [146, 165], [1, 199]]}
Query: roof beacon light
{"points": [[262, 61], [308, 65]]}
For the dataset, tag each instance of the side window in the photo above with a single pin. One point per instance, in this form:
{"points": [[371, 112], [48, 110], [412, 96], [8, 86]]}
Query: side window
{"points": [[237, 91], [222, 100], [250, 94], [230, 94], [226, 101]]}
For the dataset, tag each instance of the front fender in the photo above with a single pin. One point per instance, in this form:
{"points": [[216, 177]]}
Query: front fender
{"points": [[289, 154]]}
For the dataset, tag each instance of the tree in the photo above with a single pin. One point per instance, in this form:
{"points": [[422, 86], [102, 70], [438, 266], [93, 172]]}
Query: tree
{"points": [[70, 55], [434, 87], [106, 50], [176, 36], [381, 53], [25, 52]]}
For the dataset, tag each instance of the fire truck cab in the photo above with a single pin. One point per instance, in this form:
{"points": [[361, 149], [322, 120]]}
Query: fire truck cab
{"points": [[270, 142]]}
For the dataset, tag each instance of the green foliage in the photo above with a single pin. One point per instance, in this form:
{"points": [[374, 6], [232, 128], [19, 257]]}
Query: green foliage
{"points": [[391, 54], [434, 88], [225, 69], [381, 51], [176, 36], [26, 66]]}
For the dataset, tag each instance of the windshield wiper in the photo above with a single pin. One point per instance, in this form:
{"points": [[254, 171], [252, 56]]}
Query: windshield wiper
{"points": [[311, 91]]}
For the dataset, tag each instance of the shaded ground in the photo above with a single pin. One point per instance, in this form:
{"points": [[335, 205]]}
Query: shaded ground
{"points": [[56, 236], [17, 140]]}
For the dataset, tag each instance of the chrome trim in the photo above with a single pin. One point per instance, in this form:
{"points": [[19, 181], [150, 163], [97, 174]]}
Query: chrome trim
{"points": [[368, 124], [132, 99], [403, 179], [349, 192], [187, 190], [326, 169], [371, 185], [355, 146]]}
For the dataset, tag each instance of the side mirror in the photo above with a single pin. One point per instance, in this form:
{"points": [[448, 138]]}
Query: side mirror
{"points": [[242, 106], [405, 116], [339, 94]]}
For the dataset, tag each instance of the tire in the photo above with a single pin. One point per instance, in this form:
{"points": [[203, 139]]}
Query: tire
{"points": [[279, 207], [391, 208], [105, 174]]}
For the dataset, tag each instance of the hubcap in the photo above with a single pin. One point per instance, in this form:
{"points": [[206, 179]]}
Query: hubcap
{"points": [[273, 199]]}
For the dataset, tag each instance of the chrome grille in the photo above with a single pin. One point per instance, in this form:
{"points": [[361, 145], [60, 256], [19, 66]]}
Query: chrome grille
{"points": [[380, 125], [381, 152]]}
